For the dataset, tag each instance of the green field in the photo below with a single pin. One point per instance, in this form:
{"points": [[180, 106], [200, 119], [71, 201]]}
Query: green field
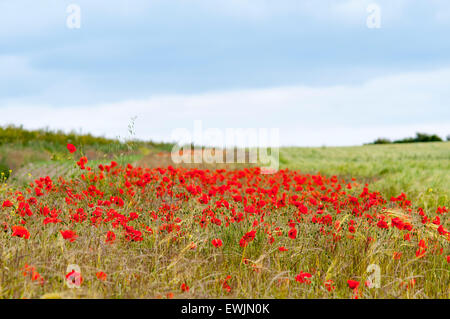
{"points": [[421, 170]]}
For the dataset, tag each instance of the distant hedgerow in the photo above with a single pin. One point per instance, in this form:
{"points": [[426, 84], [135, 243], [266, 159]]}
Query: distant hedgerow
{"points": [[12, 134], [420, 138]]}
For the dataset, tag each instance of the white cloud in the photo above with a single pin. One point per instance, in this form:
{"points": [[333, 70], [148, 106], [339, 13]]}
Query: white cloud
{"points": [[394, 106]]}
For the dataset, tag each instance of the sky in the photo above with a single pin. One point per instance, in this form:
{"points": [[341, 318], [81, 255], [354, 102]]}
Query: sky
{"points": [[312, 69]]}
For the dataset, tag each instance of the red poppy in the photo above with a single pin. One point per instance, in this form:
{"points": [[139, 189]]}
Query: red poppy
{"points": [[353, 284], [71, 148], [397, 255], [101, 275], [31, 271], [292, 233], [184, 287], [329, 285], [243, 243], [133, 216], [302, 277], [110, 237], [225, 284], [282, 248], [20, 231], [7, 203], [216, 242], [248, 237], [69, 235]]}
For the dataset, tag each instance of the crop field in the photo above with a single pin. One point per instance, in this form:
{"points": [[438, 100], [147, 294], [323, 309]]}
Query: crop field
{"points": [[348, 222]]}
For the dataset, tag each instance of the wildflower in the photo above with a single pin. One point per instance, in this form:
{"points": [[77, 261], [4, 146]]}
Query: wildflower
{"points": [[69, 235], [20, 231], [397, 255], [329, 285], [353, 284], [184, 287], [110, 237], [225, 284], [292, 233], [71, 148], [442, 230], [422, 249], [282, 248], [382, 224], [52, 220], [408, 285], [34, 275], [133, 216], [247, 238], [217, 242], [302, 277], [101, 275], [7, 203]]}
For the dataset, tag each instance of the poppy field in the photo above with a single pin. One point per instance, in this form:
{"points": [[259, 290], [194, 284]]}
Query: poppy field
{"points": [[113, 230]]}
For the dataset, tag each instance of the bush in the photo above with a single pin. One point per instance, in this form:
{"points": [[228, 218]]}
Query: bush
{"points": [[420, 138], [382, 141]]}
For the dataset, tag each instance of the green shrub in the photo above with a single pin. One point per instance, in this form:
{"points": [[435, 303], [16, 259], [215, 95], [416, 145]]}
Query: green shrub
{"points": [[382, 141], [420, 138]]}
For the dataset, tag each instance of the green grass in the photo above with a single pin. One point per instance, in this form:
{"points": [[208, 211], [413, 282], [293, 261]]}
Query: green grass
{"points": [[421, 170]]}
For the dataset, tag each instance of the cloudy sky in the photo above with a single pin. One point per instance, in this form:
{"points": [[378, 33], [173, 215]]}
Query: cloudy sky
{"points": [[313, 69]]}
